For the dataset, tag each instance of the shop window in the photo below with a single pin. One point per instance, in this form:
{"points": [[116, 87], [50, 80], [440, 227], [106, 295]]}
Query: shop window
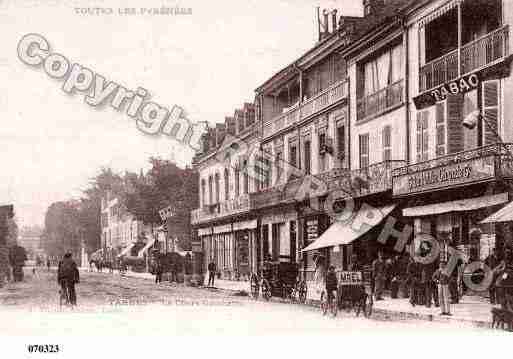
{"points": [[275, 241], [364, 150], [386, 136], [265, 242]]}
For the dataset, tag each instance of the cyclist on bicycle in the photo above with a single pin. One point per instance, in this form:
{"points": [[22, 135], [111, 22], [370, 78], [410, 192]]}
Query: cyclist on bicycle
{"points": [[68, 276], [331, 283]]}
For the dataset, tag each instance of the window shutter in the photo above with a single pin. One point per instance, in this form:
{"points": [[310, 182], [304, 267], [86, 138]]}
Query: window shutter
{"points": [[419, 136], [490, 111], [425, 135], [386, 142], [440, 129], [455, 138]]}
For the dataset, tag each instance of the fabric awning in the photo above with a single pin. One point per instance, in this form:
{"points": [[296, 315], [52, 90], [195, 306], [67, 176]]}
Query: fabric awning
{"points": [[151, 241], [438, 12], [345, 232], [469, 204], [125, 251], [504, 214]]}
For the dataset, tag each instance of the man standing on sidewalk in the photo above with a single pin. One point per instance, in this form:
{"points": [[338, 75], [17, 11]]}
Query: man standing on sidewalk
{"points": [[211, 273], [492, 261], [378, 273]]}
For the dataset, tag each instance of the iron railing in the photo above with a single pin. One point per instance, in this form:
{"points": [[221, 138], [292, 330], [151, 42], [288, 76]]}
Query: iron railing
{"points": [[381, 100]]}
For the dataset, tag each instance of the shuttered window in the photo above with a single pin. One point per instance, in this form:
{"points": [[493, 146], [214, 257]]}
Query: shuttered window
{"points": [[440, 129], [341, 142], [490, 111], [364, 150], [308, 157], [422, 136], [455, 140], [387, 143]]}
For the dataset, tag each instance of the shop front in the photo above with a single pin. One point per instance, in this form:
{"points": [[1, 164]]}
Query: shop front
{"points": [[245, 233], [449, 197], [278, 233]]}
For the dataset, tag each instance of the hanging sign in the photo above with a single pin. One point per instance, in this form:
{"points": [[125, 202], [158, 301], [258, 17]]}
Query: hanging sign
{"points": [[459, 86]]}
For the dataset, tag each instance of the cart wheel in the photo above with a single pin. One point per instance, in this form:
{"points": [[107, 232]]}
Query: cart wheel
{"points": [[324, 303], [255, 286], [302, 291], [266, 289], [367, 306]]}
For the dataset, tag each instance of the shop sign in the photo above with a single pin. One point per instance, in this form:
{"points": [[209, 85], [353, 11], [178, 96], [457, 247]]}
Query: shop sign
{"points": [[350, 278], [459, 86], [453, 175], [312, 229]]}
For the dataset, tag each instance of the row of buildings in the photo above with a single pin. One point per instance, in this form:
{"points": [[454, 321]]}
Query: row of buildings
{"points": [[404, 109]]}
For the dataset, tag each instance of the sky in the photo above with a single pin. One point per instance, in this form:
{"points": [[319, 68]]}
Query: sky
{"points": [[208, 62]]}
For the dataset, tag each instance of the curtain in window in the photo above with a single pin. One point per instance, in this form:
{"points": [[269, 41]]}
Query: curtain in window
{"points": [[383, 70], [396, 64]]}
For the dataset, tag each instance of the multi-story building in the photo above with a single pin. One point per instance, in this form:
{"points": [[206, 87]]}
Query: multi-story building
{"points": [[224, 221], [119, 228], [381, 110]]}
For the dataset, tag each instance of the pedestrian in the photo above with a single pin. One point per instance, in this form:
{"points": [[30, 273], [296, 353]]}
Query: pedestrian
{"points": [[211, 273], [428, 270], [331, 283], [413, 273], [441, 278], [68, 276], [492, 261], [158, 271], [355, 264], [48, 264], [378, 273]]}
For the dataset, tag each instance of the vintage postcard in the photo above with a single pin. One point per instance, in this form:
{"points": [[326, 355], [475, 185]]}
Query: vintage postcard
{"points": [[341, 168]]}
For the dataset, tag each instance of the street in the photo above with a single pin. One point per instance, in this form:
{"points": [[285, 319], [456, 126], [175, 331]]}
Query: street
{"points": [[111, 304]]}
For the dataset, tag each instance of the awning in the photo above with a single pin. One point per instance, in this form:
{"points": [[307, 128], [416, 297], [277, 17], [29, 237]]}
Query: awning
{"points": [[125, 251], [345, 232], [438, 12], [469, 204], [504, 214], [151, 241]]}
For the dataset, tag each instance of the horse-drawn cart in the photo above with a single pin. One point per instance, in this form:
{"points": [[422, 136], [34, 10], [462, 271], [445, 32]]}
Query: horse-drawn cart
{"points": [[279, 279]]}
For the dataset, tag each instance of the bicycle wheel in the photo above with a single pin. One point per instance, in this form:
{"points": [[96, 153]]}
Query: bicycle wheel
{"points": [[266, 289], [367, 307], [324, 303], [255, 286], [302, 292]]}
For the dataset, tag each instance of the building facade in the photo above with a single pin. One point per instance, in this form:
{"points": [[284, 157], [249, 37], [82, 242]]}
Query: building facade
{"points": [[403, 111]]}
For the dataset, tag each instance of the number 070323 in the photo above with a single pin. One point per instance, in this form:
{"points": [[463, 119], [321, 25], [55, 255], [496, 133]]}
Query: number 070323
{"points": [[43, 348]]}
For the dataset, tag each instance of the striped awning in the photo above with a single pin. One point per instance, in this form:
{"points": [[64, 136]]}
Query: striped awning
{"points": [[504, 214], [438, 12]]}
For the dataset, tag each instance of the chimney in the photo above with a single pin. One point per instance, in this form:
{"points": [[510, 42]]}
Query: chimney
{"points": [[334, 19]]}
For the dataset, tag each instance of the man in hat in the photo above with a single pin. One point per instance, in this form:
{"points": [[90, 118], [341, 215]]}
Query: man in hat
{"points": [[378, 273], [441, 278], [68, 276]]}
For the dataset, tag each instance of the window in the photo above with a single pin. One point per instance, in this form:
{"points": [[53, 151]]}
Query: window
{"points": [[210, 190], [237, 181], [293, 155], [246, 177], [275, 241], [422, 136], [267, 172], [341, 142], [490, 106], [387, 143], [278, 166], [308, 157], [322, 152], [383, 71], [440, 129], [218, 187], [226, 184], [265, 242], [364, 150]]}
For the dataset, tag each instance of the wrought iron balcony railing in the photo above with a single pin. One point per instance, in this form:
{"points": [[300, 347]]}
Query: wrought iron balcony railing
{"points": [[237, 205], [381, 101], [331, 95], [475, 55]]}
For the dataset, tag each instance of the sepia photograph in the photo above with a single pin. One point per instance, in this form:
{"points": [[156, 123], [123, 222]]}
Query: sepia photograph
{"points": [[288, 178]]}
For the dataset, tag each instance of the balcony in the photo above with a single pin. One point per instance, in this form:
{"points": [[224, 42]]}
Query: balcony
{"points": [[220, 210], [462, 168], [381, 101], [475, 55], [375, 178], [310, 107]]}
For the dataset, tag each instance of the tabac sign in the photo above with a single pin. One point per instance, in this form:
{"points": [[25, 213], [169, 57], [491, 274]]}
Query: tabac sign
{"points": [[453, 175]]}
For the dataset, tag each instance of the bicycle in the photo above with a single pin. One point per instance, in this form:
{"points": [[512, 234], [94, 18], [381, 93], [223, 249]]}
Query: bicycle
{"points": [[64, 296]]}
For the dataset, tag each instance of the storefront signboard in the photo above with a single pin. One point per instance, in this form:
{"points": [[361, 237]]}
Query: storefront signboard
{"points": [[350, 278], [312, 229], [463, 173]]}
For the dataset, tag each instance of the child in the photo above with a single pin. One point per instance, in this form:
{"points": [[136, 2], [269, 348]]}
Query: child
{"points": [[441, 278]]}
